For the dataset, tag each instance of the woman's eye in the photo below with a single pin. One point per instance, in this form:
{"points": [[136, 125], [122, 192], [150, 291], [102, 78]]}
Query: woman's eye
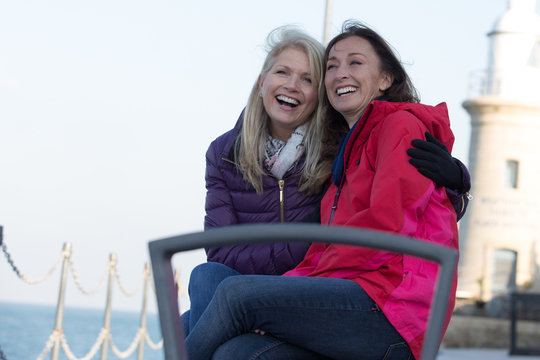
{"points": [[356, 62], [330, 66], [280, 72], [308, 80]]}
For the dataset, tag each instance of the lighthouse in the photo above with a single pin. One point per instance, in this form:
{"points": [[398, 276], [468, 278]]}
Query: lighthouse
{"points": [[500, 234]]}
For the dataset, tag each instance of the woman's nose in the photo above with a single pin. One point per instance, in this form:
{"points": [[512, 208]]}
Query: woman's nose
{"points": [[292, 83], [342, 73]]}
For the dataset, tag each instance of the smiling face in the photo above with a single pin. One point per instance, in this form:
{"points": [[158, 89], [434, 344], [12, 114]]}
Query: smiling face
{"points": [[353, 77], [289, 92]]}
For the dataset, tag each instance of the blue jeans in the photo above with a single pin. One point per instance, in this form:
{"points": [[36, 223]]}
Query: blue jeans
{"points": [[203, 281], [331, 317], [262, 347]]}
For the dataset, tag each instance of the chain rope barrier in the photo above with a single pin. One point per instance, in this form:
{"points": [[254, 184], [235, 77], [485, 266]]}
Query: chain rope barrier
{"points": [[49, 344], [152, 345], [57, 336], [99, 340], [131, 348], [79, 283], [122, 287], [25, 278]]}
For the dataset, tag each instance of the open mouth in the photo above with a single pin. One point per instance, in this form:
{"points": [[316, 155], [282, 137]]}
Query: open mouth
{"points": [[287, 101], [346, 90]]}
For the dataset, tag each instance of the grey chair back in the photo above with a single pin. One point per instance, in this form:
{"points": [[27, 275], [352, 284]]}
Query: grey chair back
{"points": [[162, 250]]}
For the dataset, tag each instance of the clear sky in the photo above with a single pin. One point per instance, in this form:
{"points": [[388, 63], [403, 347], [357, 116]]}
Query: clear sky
{"points": [[107, 108]]}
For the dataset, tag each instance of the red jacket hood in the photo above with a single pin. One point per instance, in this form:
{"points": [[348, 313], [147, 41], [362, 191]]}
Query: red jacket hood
{"points": [[434, 117]]}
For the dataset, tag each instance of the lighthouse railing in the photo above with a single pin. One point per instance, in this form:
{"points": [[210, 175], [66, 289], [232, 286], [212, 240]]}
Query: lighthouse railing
{"points": [[522, 84]]}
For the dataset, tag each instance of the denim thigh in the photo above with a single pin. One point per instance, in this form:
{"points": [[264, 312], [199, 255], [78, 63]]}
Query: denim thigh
{"points": [[203, 281], [262, 347], [333, 317]]}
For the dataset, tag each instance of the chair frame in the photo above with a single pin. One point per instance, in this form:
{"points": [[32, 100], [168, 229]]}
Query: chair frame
{"points": [[162, 250]]}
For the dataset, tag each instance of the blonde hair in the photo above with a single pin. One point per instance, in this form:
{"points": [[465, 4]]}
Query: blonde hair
{"points": [[251, 152]]}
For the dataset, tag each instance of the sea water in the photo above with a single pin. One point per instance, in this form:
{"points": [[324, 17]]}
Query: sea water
{"points": [[25, 330]]}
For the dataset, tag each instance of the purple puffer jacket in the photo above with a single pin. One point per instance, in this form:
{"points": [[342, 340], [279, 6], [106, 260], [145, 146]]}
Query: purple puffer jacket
{"points": [[231, 200]]}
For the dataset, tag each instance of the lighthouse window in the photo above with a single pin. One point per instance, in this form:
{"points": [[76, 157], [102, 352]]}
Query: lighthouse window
{"points": [[511, 174], [534, 59], [503, 278]]}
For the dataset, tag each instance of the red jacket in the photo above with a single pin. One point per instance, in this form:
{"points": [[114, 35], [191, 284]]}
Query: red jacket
{"points": [[381, 190]]}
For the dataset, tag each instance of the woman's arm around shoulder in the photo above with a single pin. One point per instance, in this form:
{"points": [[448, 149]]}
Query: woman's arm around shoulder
{"points": [[433, 160]]}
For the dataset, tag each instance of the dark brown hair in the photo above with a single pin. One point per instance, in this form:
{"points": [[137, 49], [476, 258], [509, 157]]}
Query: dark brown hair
{"points": [[401, 90]]}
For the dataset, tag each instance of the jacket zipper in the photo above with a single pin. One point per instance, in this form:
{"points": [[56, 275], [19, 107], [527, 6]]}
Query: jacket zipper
{"points": [[346, 161], [229, 161], [281, 184], [334, 207], [469, 196]]}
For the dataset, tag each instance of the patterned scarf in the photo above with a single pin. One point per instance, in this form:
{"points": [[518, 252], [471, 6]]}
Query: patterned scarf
{"points": [[280, 156]]}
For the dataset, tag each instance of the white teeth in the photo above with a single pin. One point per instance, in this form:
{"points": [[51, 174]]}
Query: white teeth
{"points": [[345, 90], [287, 99]]}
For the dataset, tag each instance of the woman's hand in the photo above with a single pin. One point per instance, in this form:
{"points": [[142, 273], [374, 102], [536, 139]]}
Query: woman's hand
{"points": [[433, 160]]}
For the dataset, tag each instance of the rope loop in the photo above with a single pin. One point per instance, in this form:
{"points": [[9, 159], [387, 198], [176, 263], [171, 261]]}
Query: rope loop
{"points": [[122, 287], [53, 338], [26, 279], [79, 283], [154, 346], [131, 348], [93, 351]]}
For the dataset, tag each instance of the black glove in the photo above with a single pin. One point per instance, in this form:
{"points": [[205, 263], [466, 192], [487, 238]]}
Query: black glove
{"points": [[433, 160]]}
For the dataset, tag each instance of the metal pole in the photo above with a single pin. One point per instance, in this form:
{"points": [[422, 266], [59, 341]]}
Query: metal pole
{"points": [[107, 318], [327, 15], [60, 304], [142, 324], [179, 288], [513, 327]]}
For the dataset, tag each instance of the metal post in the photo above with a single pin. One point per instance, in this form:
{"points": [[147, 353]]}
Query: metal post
{"points": [[142, 324], [60, 304], [327, 15], [107, 317], [513, 327], [178, 282]]}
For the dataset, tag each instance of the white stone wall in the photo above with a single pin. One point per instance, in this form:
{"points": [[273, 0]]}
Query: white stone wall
{"points": [[500, 217]]}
